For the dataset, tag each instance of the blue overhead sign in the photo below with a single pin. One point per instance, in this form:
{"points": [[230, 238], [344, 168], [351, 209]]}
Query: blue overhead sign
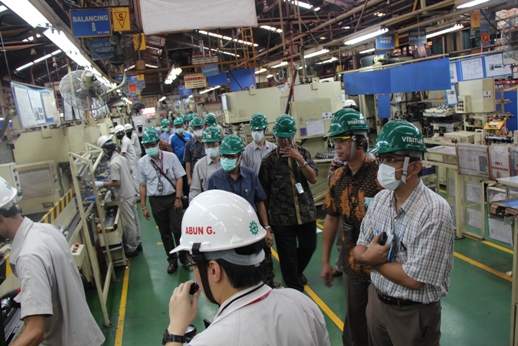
{"points": [[102, 48], [417, 36], [385, 42], [91, 22]]}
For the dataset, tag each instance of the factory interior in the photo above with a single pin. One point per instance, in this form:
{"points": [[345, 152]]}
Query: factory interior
{"points": [[72, 71]]}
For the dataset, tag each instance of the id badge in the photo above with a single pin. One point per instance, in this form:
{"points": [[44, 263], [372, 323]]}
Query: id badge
{"points": [[299, 188], [160, 186]]}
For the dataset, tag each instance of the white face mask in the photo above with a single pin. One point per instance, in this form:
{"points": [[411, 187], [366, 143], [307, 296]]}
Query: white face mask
{"points": [[387, 177], [257, 135], [212, 152], [198, 133]]}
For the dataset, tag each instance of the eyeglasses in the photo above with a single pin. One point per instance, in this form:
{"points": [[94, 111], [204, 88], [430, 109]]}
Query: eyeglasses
{"points": [[150, 145], [280, 139], [387, 160], [340, 141]]}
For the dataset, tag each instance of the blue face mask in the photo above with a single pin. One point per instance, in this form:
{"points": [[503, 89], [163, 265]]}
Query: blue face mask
{"points": [[152, 151], [228, 164]]}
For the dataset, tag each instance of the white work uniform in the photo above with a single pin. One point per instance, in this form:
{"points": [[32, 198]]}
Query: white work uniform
{"points": [[253, 155], [129, 152], [203, 169], [136, 144], [51, 286], [125, 195], [263, 316]]}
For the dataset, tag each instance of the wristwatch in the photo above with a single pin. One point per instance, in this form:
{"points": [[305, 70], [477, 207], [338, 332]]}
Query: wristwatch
{"points": [[305, 164], [178, 197], [172, 338]]}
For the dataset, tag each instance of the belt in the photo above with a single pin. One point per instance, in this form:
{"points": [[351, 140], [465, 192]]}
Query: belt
{"points": [[164, 196], [394, 301]]}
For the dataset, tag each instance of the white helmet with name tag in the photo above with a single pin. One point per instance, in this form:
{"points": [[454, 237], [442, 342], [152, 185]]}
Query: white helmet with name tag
{"points": [[218, 220]]}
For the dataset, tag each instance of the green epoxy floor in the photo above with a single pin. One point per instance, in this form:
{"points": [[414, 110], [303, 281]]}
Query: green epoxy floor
{"points": [[476, 311]]}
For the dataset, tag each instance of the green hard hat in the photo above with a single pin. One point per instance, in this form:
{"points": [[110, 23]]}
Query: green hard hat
{"points": [[150, 136], [187, 117], [211, 135], [347, 120], [232, 145], [164, 123], [258, 122], [210, 120], [196, 121], [284, 126], [399, 135], [178, 121]]}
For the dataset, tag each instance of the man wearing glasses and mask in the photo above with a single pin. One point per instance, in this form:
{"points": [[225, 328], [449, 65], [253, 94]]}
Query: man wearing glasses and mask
{"points": [[159, 175], [407, 238], [285, 175], [350, 187]]}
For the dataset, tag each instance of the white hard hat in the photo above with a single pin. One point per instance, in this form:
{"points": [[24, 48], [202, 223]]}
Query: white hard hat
{"points": [[119, 128], [103, 140], [128, 127], [139, 122], [219, 220], [349, 103], [7, 194]]}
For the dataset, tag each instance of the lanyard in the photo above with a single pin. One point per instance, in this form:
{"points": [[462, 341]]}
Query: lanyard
{"points": [[244, 295]]}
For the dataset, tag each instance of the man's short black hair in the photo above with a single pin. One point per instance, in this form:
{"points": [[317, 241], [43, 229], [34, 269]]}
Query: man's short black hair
{"points": [[12, 211], [241, 277]]}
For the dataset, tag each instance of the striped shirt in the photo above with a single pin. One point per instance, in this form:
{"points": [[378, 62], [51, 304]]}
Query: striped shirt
{"points": [[203, 169], [253, 155], [425, 224], [148, 175]]}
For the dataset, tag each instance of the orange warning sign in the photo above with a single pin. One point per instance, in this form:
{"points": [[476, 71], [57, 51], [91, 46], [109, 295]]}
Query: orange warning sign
{"points": [[485, 37], [121, 19]]}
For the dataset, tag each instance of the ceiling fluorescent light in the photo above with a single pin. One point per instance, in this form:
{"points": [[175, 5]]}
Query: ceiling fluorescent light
{"points": [[60, 39], [162, 99], [260, 71], [300, 4], [25, 66], [283, 63], [472, 3], [366, 36], [129, 68], [320, 52], [453, 28], [271, 28], [269, 76], [171, 76], [151, 66], [208, 90], [222, 52], [227, 38], [327, 61], [25, 10], [367, 50], [316, 9]]}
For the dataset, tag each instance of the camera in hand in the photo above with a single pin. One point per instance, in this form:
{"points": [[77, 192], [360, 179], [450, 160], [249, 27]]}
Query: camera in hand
{"points": [[194, 288], [383, 239]]}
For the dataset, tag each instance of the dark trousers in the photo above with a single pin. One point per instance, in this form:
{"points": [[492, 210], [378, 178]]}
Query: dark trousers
{"points": [[295, 245], [269, 265], [169, 223], [185, 187], [355, 324], [392, 325]]}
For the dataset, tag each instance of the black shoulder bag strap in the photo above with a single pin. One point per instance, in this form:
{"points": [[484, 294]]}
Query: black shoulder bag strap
{"points": [[184, 199]]}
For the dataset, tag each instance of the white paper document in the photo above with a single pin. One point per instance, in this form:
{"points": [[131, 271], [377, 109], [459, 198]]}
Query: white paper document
{"points": [[315, 128], [473, 192], [501, 231]]}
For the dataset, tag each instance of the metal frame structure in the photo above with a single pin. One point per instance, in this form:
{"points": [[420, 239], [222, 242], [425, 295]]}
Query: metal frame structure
{"points": [[80, 164]]}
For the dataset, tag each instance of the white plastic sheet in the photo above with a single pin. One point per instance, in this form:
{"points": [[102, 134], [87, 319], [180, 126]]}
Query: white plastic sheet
{"points": [[163, 16]]}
